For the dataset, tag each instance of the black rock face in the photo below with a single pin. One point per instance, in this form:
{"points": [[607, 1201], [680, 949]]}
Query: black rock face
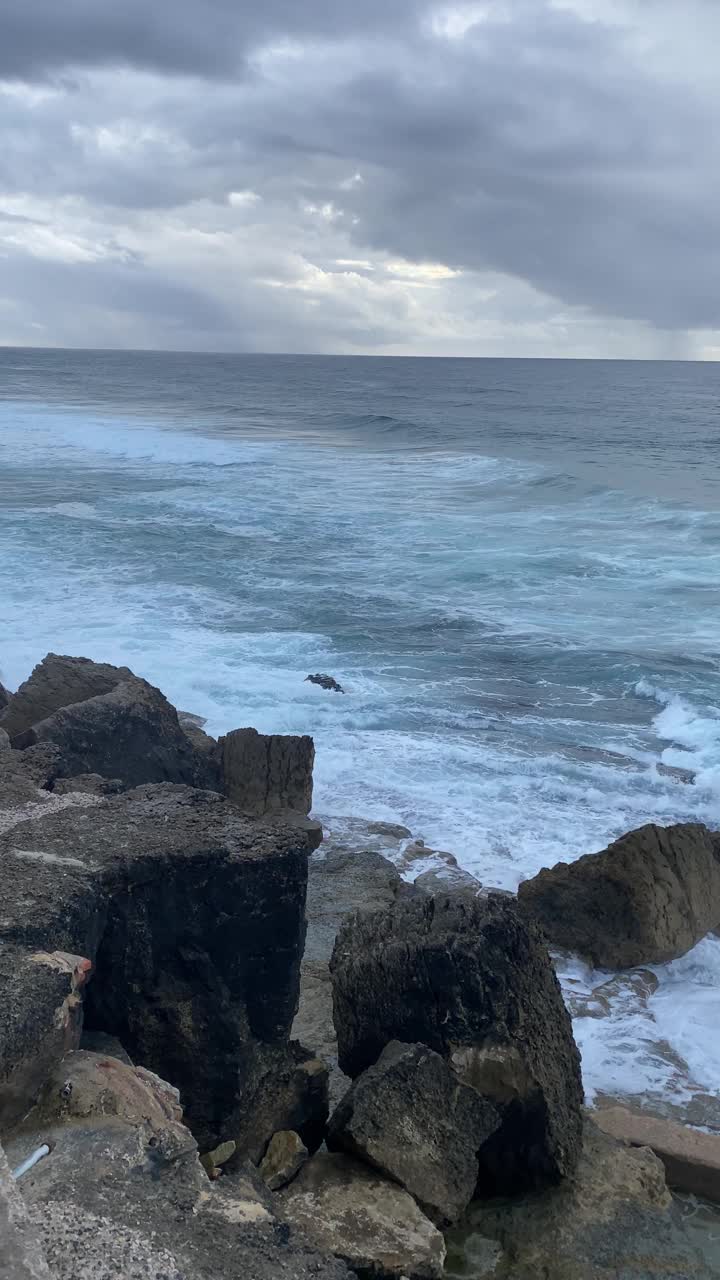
{"points": [[471, 979], [194, 920]]}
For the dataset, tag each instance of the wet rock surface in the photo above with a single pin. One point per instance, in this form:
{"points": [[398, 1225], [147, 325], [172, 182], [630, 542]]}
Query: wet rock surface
{"points": [[614, 1218], [469, 978], [410, 1117], [325, 682]]}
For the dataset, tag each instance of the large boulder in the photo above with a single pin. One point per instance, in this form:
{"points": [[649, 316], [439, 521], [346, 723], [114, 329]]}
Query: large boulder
{"points": [[648, 898], [469, 978], [267, 773], [193, 919], [340, 881], [410, 1117], [56, 682], [613, 1219], [365, 1219], [123, 1194], [106, 720]]}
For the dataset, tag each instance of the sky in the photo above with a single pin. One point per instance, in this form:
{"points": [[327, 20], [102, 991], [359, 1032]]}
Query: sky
{"points": [[515, 177]]}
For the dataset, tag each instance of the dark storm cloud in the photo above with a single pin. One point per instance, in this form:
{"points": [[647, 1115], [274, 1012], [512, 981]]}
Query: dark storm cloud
{"points": [[579, 156], [208, 37]]}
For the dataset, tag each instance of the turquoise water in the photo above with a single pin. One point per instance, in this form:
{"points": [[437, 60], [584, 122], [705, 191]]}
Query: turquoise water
{"points": [[511, 566]]}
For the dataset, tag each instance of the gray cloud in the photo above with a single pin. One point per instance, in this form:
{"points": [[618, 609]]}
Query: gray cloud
{"points": [[207, 37], [562, 160]]}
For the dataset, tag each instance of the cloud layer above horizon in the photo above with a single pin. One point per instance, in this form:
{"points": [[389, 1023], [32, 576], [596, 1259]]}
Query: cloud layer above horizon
{"points": [[515, 177]]}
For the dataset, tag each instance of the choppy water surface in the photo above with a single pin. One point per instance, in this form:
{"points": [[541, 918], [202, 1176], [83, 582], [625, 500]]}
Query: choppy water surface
{"points": [[511, 566]]}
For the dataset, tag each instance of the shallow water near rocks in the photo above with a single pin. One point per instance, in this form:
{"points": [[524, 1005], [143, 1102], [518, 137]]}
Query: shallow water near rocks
{"points": [[511, 567]]}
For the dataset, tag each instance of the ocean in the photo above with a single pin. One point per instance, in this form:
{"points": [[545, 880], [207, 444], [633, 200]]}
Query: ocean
{"points": [[512, 567]]}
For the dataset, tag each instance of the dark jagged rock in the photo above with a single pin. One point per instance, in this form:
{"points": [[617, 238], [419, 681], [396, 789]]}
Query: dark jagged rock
{"points": [[267, 773], [613, 1220], [365, 1219], [194, 920], [56, 682], [340, 882], [292, 1094], [325, 682], [131, 733], [410, 1117], [105, 720], [648, 898], [4, 697], [41, 1003], [123, 1193], [468, 977]]}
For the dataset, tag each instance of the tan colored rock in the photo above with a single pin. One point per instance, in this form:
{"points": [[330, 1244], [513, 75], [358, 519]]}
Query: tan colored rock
{"points": [[283, 1159], [212, 1161], [122, 1193], [648, 898], [267, 773], [364, 1219], [691, 1158], [613, 1218]]}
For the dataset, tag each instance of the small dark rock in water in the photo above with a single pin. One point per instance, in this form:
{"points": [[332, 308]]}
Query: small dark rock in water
{"points": [[325, 682]]}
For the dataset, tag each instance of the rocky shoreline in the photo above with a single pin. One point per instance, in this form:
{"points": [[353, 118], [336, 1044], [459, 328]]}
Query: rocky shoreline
{"points": [[231, 1048]]}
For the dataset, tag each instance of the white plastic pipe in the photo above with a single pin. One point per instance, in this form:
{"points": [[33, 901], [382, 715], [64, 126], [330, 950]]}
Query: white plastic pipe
{"points": [[31, 1161]]}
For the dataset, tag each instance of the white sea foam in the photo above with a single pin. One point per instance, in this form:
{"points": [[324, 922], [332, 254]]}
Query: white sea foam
{"points": [[693, 736]]}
